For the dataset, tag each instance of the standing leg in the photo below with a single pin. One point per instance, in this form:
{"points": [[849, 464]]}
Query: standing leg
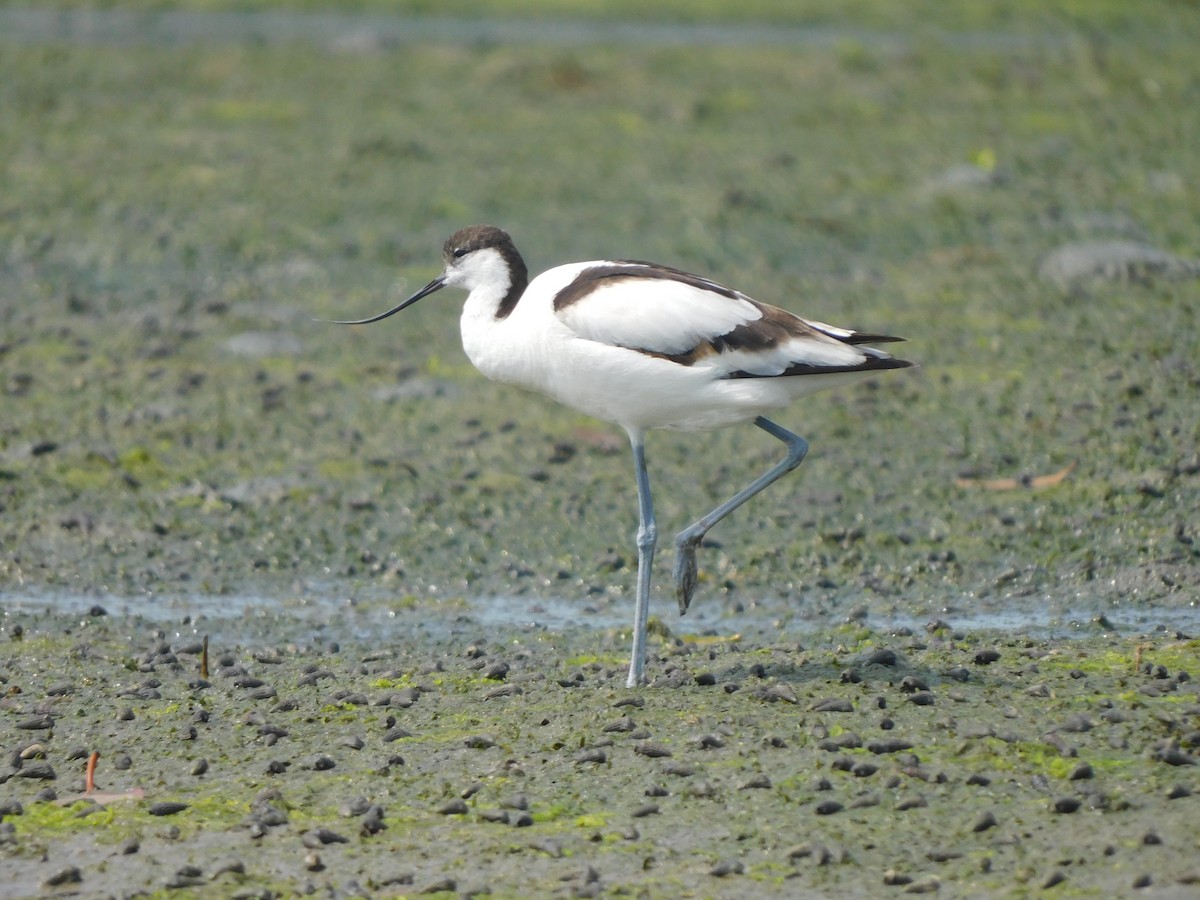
{"points": [[647, 537], [689, 539]]}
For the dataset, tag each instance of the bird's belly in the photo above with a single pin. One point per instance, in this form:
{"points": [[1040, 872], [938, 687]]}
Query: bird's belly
{"points": [[627, 387]]}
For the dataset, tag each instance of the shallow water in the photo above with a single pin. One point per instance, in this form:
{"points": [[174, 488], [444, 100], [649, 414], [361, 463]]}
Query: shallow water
{"points": [[252, 618]]}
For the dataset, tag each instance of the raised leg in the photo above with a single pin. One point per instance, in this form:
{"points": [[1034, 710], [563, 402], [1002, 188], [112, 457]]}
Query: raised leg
{"points": [[647, 537], [689, 539]]}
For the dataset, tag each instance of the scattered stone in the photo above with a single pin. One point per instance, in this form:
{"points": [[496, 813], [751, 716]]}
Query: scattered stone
{"points": [[166, 808], [727, 867], [1067, 804], [319, 837], [68, 875], [984, 821]]}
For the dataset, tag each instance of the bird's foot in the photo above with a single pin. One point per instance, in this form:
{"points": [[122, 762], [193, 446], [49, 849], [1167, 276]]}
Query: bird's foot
{"points": [[685, 571]]}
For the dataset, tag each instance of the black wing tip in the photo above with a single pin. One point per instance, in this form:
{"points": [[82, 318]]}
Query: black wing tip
{"points": [[862, 337]]}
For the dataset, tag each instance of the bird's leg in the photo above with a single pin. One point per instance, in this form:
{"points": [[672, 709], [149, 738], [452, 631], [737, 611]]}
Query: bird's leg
{"points": [[689, 539], [647, 537]]}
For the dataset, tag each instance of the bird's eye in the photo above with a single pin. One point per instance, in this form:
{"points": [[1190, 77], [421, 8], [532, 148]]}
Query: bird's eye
{"points": [[460, 252]]}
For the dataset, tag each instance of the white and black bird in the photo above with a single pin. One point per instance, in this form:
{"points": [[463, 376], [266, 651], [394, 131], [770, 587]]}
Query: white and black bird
{"points": [[645, 346]]}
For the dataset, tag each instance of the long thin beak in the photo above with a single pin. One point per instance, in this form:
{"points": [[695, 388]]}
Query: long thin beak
{"points": [[436, 285]]}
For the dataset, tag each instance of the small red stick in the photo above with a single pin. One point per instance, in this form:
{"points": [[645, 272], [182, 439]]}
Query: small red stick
{"points": [[89, 781]]}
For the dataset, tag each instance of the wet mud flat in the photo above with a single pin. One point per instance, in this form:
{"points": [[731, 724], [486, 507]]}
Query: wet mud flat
{"points": [[505, 762]]}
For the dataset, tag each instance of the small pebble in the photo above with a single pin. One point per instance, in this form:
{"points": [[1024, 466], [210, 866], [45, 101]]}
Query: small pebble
{"points": [[984, 821], [727, 867], [166, 808], [1067, 804], [68, 875], [1055, 878], [652, 750], [319, 837]]}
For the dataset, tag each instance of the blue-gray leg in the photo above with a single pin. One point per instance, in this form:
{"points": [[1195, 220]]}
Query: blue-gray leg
{"points": [[689, 539], [647, 537]]}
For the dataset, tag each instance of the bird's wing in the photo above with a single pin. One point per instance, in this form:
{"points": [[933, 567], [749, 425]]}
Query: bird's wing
{"points": [[650, 308], [692, 321]]}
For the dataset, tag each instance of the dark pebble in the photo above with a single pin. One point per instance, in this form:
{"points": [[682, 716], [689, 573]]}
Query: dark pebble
{"points": [[506, 690], [125, 715], [1055, 878], [166, 808], [927, 885], [646, 809], [978, 780], [651, 749], [727, 867], [892, 878], [497, 671], [130, 847], [69, 875], [833, 704], [922, 698], [1179, 792], [319, 837], [893, 745], [1082, 772], [941, 856], [828, 807], [455, 807], [1173, 756], [864, 769], [908, 803], [1142, 881], [444, 885], [41, 771], [986, 657], [910, 684], [1066, 804], [621, 726], [591, 755], [320, 763], [959, 673], [985, 821], [356, 807], [479, 742], [883, 657], [496, 816], [40, 723], [1151, 839], [395, 734], [706, 679]]}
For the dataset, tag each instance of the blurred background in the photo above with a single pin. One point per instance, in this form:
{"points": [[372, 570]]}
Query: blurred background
{"points": [[186, 187]]}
